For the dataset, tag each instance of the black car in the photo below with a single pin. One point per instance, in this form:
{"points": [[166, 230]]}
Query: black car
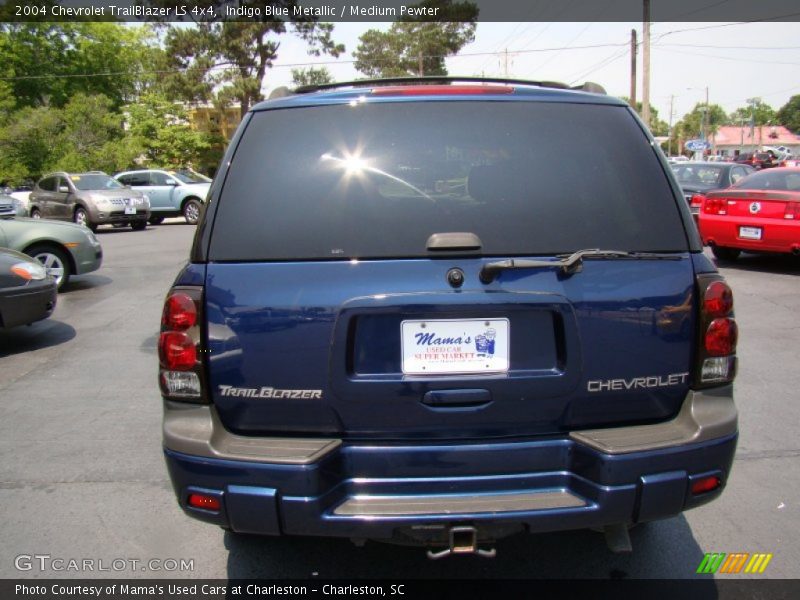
{"points": [[27, 293], [702, 177]]}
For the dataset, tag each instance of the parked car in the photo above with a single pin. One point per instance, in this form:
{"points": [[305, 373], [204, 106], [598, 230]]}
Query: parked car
{"points": [[64, 249], [171, 193], [11, 206], [697, 178], [757, 160], [543, 347], [789, 162], [27, 292], [760, 213], [89, 199]]}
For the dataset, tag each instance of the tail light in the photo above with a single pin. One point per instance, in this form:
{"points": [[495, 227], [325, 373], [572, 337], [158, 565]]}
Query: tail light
{"points": [[792, 211], [179, 354], [716, 350], [714, 206], [697, 200]]}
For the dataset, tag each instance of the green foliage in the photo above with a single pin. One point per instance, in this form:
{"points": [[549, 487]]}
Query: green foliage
{"points": [[51, 62], [26, 143], [311, 76], [417, 48], [243, 50], [657, 126], [789, 114], [762, 113], [160, 130], [691, 125]]}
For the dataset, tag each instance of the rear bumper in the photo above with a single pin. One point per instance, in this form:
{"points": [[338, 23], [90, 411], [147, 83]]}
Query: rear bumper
{"points": [[372, 490], [776, 235]]}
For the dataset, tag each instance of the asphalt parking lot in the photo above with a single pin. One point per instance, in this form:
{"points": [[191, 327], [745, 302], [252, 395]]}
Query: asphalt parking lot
{"points": [[82, 475]]}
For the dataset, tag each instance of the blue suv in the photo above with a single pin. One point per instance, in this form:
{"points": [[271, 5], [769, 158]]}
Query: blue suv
{"points": [[403, 319]]}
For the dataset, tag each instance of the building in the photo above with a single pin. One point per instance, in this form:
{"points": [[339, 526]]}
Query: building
{"points": [[729, 140], [214, 120]]}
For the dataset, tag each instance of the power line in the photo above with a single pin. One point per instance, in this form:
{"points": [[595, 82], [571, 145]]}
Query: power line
{"points": [[224, 66], [736, 58]]}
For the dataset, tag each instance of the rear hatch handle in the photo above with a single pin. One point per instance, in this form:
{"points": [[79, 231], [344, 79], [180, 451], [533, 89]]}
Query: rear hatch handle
{"points": [[568, 264]]}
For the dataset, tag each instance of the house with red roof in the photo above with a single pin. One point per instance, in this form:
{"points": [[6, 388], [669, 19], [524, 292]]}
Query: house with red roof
{"points": [[730, 138]]}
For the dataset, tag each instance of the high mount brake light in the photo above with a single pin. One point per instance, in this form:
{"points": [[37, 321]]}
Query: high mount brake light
{"points": [[181, 374], [716, 348], [442, 90]]}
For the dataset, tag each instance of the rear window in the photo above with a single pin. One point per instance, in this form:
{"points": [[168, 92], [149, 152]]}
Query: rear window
{"points": [[375, 180], [771, 180]]}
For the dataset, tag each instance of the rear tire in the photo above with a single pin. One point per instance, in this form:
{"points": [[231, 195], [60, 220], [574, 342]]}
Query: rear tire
{"points": [[55, 260], [191, 211], [138, 225], [156, 220], [35, 214], [726, 254]]}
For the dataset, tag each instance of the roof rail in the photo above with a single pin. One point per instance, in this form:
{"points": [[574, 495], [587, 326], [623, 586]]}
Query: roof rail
{"points": [[590, 87]]}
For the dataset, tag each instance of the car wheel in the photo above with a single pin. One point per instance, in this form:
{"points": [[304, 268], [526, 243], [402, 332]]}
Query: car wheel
{"points": [[81, 217], [35, 214], [156, 220], [138, 225], [54, 260], [730, 254], [191, 212]]}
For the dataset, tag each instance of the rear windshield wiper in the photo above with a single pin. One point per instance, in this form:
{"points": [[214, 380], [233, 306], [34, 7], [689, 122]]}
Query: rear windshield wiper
{"points": [[567, 263]]}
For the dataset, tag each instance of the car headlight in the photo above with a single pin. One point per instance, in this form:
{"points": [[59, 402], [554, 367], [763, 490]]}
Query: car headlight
{"points": [[29, 271]]}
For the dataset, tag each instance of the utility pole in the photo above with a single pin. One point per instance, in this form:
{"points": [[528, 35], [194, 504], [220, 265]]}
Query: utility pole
{"points": [[646, 65], [633, 69], [506, 63], [707, 117]]}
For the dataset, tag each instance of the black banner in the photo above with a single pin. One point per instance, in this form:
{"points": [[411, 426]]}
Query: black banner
{"points": [[652, 589], [395, 10]]}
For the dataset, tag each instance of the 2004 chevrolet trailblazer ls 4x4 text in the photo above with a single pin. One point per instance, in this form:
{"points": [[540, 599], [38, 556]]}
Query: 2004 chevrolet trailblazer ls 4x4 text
{"points": [[401, 320]]}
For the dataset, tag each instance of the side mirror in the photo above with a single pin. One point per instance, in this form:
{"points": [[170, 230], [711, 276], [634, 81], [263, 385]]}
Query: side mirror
{"points": [[64, 189]]}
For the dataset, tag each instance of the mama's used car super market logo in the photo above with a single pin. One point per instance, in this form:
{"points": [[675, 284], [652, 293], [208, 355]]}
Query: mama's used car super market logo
{"points": [[734, 563]]}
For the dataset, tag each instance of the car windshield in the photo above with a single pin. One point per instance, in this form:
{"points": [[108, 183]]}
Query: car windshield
{"points": [[94, 181], [788, 180], [698, 174], [187, 176]]}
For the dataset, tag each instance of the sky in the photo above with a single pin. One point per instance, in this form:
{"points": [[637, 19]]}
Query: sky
{"points": [[734, 61]]}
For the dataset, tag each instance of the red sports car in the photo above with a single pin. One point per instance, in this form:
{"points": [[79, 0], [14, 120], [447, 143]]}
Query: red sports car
{"points": [[759, 213]]}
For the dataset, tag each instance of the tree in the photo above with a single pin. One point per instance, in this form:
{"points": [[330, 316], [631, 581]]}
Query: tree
{"points": [[761, 112], [27, 143], [789, 114], [160, 130], [243, 52], [657, 126], [48, 63], [691, 125], [311, 76], [416, 47]]}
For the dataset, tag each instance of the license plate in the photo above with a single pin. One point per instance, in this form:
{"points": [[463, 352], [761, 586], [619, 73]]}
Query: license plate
{"points": [[130, 210], [750, 233], [445, 346]]}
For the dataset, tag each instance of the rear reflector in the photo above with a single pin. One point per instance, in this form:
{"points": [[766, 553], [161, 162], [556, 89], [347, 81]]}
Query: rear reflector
{"points": [[204, 501], [442, 90], [705, 485]]}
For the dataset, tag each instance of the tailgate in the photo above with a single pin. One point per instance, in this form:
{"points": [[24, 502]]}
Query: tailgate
{"points": [[363, 349]]}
